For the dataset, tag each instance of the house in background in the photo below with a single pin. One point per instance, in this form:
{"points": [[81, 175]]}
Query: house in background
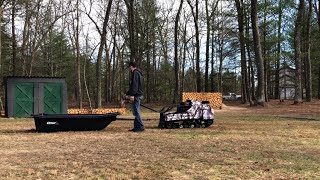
{"points": [[287, 83]]}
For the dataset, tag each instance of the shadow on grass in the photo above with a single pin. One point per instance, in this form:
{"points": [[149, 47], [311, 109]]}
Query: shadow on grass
{"points": [[18, 131], [154, 127], [301, 118]]}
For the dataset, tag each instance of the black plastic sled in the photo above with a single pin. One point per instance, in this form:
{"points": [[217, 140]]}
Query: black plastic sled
{"points": [[73, 122]]}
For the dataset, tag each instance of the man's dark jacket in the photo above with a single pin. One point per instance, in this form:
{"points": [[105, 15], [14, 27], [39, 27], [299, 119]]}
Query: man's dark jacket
{"points": [[136, 84]]}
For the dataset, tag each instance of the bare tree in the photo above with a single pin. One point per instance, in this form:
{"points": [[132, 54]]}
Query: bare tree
{"points": [[221, 47], [264, 52], [103, 39], [85, 66], [131, 28], [244, 76], [251, 71], [41, 34], [195, 14], [14, 42], [213, 46], [297, 51], [278, 56], [308, 74], [78, 63], [209, 19], [176, 62], [260, 98], [163, 29], [316, 5], [1, 16], [185, 44], [2, 4], [25, 35]]}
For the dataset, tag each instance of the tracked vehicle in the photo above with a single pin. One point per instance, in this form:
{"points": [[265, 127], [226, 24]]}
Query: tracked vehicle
{"points": [[189, 114]]}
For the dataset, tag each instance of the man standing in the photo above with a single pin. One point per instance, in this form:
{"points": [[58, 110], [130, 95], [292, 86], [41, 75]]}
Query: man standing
{"points": [[135, 94]]}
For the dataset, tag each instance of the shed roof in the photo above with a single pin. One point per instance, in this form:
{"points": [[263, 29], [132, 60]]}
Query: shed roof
{"points": [[49, 77]]}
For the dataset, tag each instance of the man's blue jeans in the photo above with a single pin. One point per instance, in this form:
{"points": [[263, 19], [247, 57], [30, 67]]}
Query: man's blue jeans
{"points": [[135, 108]]}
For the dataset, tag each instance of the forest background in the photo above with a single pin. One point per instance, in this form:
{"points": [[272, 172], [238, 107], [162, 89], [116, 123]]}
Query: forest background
{"points": [[181, 46]]}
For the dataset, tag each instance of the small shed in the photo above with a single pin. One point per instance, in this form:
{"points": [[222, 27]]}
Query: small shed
{"points": [[35, 95]]}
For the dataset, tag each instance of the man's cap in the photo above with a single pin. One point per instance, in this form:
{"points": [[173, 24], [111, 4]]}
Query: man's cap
{"points": [[131, 63]]}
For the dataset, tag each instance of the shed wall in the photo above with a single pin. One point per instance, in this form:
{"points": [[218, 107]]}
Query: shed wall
{"points": [[38, 93]]}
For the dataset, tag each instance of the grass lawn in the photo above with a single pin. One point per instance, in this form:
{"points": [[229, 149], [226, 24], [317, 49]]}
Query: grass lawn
{"points": [[239, 145]]}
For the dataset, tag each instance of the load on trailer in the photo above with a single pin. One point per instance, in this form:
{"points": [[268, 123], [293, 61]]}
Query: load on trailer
{"points": [[189, 114]]}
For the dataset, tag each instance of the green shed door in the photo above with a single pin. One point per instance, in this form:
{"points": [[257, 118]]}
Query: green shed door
{"points": [[23, 99], [53, 98]]}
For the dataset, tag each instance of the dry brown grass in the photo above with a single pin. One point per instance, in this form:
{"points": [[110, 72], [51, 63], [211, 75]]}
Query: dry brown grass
{"points": [[240, 145]]}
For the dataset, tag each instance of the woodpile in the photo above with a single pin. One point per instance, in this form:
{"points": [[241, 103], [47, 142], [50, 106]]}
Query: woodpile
{"points": [[79, 111], [97, 111], [105, 111], [215, 99]]}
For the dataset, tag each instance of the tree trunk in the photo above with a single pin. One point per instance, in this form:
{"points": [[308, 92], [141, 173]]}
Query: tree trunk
{"points": [[221, 46], [164, 48], [1, 62], [213, 88], [308, 73], [25, 38], [183, 59], [113, 73], [206, 81], [319, 82], [251, 75], [297, 48], [318, 20], [84, 73], [220, 54], [277, 78], [115, 65], [155, 80], [318, 12], [244, 75], [14, 42], [264, 52], [248, 64], [196, 18], [148, 69], [154, 56], [131, 28], [260, 98], [34, 43], [176, 96], [151, 52], [198, 48], [250, 69], [99, 59], [78, 63], [108, 82]]}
